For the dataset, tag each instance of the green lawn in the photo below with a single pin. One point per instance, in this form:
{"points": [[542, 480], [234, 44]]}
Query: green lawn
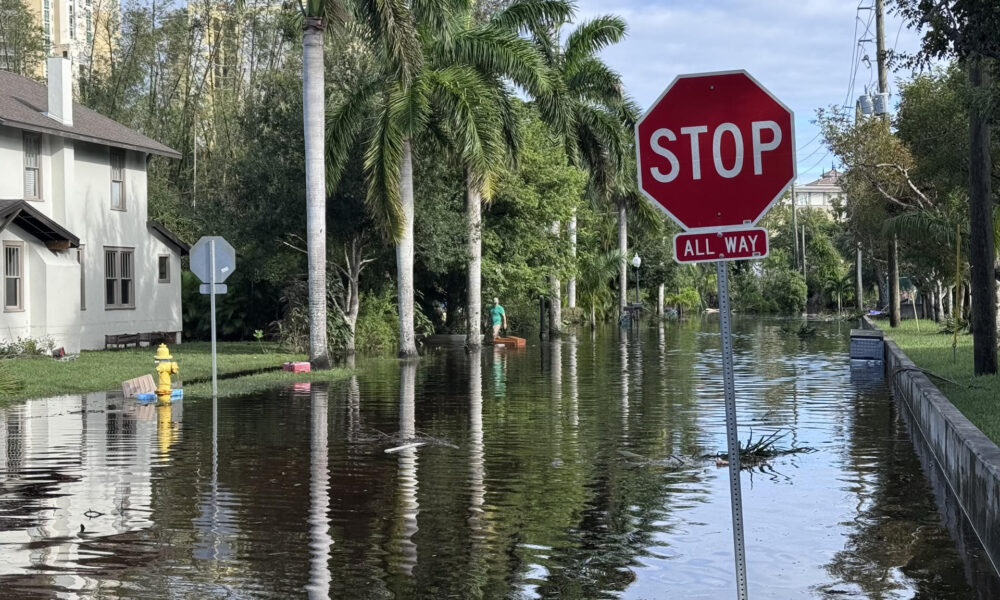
{"points": [[977, 397], [105, 370]]}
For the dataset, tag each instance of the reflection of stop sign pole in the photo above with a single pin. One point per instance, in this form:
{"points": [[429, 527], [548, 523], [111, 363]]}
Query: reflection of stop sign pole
{"points": [[714, 152]]}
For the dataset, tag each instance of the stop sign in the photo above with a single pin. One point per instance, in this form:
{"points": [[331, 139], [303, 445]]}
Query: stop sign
{"points": [[716, 150]]}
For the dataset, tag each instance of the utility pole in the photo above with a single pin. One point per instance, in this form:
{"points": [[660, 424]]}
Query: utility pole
{"points": [[883, 90]]}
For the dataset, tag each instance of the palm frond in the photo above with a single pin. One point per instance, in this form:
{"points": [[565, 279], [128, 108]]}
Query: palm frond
{"points": [[529, 16], [500, 52], [390, 27], [920, 225], [591, 79], [342, 128], [592, 36], [439, 19], [473, 117], [383, 159]]}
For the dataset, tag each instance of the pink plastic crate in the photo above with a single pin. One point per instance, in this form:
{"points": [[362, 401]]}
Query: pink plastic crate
{"points": [[296, 367]]}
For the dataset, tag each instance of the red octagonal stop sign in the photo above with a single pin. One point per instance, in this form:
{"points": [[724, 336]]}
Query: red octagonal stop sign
{"points": [[716, 150]]}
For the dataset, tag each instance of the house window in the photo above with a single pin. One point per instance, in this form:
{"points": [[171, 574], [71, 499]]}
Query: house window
{"points": [[13, 276], [163, 268], [117, 179], [72, 22], [83, 277], [32, 166], [119, 286]]}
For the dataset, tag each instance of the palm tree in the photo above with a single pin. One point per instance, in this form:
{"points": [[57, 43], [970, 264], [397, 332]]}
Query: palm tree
{"points": [[388, 23], [838, 285], [478, 120], [596, 272], [588, 110], [459, 85]]}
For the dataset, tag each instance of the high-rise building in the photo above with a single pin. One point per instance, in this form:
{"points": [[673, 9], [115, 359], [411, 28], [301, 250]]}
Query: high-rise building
{"points": [[77, 29]]}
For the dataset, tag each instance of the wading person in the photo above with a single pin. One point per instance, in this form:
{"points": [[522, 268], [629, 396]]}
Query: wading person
{"points": [[498, 317]]}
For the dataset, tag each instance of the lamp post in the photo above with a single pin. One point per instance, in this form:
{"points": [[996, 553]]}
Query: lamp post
{"points": [[636, 261]]}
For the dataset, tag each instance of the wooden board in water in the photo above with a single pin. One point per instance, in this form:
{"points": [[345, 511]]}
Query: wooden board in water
{"points": [[515, 342]]}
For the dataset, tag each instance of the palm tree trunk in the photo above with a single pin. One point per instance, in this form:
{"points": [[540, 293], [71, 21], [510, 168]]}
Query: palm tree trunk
{"points": [[659, 301], [623, 249], [982, 268], [960, 302], [474, 266], [893, 282], [948, 302], [571, 285], [555, 292], [404, 257], [314, 123]]}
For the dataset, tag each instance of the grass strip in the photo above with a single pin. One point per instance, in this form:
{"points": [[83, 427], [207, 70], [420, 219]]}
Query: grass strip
{"points": [[107, 369], [978, 398]]}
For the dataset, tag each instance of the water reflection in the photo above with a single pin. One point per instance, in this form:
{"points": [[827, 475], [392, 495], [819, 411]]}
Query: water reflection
{"points": [[73, 471], [409, 506], [319, 494], [562, 480]]}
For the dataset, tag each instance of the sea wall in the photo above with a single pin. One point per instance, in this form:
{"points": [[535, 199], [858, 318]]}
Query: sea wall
{"points": [[968, 461]]}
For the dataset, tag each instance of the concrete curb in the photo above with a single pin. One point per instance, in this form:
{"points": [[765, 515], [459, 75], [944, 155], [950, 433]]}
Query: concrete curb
{"points": [[969, 461]]}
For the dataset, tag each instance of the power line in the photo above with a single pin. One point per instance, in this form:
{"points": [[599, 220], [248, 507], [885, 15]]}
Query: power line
{"points": [[800, 148], [810, 155], [818, 162]]}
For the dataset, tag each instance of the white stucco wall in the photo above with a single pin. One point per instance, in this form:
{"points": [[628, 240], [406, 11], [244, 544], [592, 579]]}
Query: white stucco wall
{"points": [[76, 191], [12, 181]]}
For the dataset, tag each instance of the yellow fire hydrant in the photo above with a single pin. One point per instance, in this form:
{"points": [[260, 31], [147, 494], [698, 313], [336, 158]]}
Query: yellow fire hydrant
{"points": [[165, 367]]}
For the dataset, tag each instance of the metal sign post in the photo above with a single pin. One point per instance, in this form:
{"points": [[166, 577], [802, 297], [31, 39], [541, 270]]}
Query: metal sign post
{"points": [[213, 260], [753, 154], [732, 435], [215, 371]]}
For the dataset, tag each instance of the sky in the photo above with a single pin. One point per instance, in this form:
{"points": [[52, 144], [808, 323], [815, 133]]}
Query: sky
{"points": [[804, 51]]}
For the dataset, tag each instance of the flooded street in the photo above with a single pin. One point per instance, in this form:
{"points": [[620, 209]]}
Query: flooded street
{"points": [[566, 470]]}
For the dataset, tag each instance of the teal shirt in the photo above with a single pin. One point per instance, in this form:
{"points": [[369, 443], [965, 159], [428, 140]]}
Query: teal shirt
{"points": [[496, 314]]}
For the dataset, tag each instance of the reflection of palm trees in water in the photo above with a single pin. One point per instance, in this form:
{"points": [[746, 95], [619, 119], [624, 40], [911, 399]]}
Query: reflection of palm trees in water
{"points": [[406, 524], [476, 455], [623, 354], [319, 495], [574, 393]]}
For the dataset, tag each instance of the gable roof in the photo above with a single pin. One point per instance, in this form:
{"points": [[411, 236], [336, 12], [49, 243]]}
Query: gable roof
{"points": [[160, 230], [23, 103], [28, 218], [828, 181]]}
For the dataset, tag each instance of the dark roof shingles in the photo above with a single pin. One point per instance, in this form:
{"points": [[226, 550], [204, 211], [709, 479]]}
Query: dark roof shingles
{"points": [[23, 104]]}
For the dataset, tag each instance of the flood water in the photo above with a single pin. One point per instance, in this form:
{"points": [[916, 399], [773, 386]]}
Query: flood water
{"points": [[566, 470]]}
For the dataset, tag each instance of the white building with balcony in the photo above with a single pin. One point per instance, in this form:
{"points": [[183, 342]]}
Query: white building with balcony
{"points": [[820, 193]]}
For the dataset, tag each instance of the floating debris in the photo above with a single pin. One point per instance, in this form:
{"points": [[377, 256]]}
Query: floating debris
{"points": [[404, 447], [755, 453]]}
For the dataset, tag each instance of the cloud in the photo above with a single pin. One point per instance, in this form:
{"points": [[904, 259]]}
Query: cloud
{"points": [[801, 50]]}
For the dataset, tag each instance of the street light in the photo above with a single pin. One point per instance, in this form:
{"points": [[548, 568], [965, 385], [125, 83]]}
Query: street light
{"points": [[636, 261]]}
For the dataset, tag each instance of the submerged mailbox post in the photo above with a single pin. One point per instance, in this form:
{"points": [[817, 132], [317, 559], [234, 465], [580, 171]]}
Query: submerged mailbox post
{"points": [[715, 152]]}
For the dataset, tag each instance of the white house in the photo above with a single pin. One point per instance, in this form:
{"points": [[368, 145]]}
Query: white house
{"points": [[80, 259], [820, 193]]}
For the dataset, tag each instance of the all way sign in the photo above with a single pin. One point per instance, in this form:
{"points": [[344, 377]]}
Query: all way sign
{"points": [[711, 246]]}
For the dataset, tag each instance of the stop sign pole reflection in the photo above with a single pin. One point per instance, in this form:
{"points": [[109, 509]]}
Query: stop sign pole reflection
{"points": [[715, 150]]}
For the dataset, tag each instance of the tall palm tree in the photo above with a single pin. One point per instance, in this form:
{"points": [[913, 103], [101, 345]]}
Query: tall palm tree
{"points": [[459, 85], [388, 23], [480, 125], [589, 111]]}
